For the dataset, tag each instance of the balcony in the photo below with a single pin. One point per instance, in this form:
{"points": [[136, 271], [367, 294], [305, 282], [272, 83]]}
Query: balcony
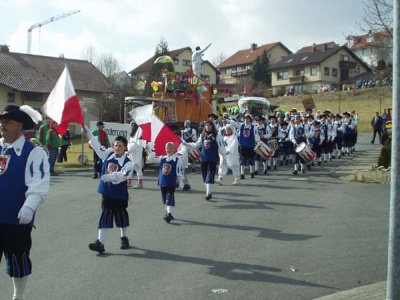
{"points": [[240, 72], [296, 79], [347, 65]]}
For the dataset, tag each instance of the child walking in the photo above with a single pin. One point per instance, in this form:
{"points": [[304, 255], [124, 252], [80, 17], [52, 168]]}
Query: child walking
{"points": [[171, 171], [113, 188]]}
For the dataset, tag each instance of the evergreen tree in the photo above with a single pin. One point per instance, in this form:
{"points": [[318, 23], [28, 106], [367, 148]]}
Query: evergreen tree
{"points": [[261, 72], [155, 73]]}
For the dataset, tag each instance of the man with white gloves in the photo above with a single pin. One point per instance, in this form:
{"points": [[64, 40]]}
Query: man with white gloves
{"points": [[24, 184]]}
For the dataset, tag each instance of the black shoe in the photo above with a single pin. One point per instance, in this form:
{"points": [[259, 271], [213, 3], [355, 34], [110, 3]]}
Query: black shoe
{"points": [[281, 163], [334, 157], [251, 175], [165, 216], [269, 168], [208, 197], [302, 171], [330, 159], [265, 172], [97, 246], [295, 172], [193, 170], [312, 164], [275, 167], [287, 162], [94, 177], [124, 243], [169, 218], [372, 142], [53, 174], [241, 176], [319, 163], [255, 172], [186, 187], [308, 167]]}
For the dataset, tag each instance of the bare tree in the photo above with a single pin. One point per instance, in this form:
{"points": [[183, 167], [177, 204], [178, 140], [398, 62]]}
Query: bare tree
{"points": [[108, 65], [89, 54], [378, 17], [219, 58]]}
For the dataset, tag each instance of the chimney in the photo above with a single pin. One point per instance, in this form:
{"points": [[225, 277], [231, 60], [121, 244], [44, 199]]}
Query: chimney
{"points": [[325, 47], [314, 47], [253, 46], [4, 49]]}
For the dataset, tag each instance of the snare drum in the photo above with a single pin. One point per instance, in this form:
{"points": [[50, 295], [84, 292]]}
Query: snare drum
{"points": [[273, 144], [264, 151], [194, 154], [305, 152]]}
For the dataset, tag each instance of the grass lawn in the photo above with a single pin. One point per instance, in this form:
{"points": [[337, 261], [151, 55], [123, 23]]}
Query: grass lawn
{"points": [[74, 151], [364, 101]]}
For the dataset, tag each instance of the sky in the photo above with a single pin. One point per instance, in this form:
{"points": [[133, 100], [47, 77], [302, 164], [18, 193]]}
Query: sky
{"points": [[130, 30]]}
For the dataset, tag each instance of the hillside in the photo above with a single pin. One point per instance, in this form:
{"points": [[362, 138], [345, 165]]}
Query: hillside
{"points": [[364, 101]]}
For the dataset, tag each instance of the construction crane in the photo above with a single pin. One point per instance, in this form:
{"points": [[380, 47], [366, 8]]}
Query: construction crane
{"points": [[44, 23]]}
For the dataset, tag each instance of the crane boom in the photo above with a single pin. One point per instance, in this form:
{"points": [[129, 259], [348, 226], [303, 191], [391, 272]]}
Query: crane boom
{"points": [[40, 24]]}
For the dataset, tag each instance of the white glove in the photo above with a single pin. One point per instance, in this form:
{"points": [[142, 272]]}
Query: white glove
{"points": [[181, 185], [25, 215], [224, 162], [109, 177]]}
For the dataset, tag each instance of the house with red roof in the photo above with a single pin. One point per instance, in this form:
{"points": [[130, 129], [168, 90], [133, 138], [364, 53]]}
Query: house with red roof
{"points": [[238, 66]]}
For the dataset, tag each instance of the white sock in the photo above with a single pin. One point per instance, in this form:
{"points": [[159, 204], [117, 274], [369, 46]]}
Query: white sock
{"points": [[19, 287], [256, 165], [208, 188], [295, 167], [251, 169], [242, 170], [265, 165], [124, 231], [169, 209], [102, 234]]}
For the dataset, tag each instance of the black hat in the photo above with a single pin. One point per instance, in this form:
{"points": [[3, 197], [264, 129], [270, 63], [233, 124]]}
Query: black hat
{"points": [[99, 123], [316, 122], [198, 48], [272, 117], [284, 123], [310, 116], [24, 114], [322, 116], [346, 113], [247, 116], [212, 115], [327, 111], [260, 118], [338, 116]]}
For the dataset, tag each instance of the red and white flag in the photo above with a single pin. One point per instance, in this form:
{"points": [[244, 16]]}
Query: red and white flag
{"points": [[62, 105], [154, 130]]}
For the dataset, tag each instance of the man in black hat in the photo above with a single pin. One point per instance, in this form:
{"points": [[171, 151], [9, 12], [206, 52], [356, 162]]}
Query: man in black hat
{"points": [[24, 184], [102, 136]]}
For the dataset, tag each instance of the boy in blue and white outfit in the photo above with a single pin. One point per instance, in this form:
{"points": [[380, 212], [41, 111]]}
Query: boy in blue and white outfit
{"points": [[171, 171], [113, 187]]}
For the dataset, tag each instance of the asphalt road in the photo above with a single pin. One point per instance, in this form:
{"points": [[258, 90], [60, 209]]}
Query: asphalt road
{"points": [[278, 236]]}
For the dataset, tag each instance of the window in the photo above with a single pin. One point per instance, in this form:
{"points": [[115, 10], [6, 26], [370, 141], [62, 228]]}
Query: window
{"points": [[239, 68], [313, 71], [334, 72], [345, 57], [205, 77], [304, 58], [290, 60], [283, 75], [176, 61], [186, 62], [228, 71], [357, 69], [299, 72], [326, 71], [29, 96], [10, 97]]}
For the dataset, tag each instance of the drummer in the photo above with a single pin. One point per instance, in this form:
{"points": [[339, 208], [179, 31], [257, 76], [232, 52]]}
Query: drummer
{"points": [[274, 128], [248, 138], [189, 135], [265, 133], [284, 143], [317, 139], [297, 136]]}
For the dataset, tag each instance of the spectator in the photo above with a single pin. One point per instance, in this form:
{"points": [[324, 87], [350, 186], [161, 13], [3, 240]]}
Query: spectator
{"points": [[376, 124], [102, 137]]}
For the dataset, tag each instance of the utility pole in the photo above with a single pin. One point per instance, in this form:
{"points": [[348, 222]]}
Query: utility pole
{"points": [[393, 275], [40, 24]]}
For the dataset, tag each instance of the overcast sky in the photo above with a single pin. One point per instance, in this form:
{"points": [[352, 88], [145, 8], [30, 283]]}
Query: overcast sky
{"points": [[131, 29]]}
